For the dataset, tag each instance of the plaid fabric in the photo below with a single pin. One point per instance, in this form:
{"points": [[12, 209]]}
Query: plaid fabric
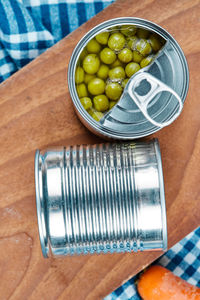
{"points": [[28, 28], [183, 260]]}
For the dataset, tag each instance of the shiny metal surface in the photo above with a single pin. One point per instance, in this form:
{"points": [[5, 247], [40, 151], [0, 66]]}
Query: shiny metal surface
{"points": [[100, 198], [127, 121], [141, 89]]}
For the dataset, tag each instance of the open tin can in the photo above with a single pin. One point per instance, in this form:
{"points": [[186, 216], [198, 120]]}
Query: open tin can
{"points": [[100, 198], [138, 115]]}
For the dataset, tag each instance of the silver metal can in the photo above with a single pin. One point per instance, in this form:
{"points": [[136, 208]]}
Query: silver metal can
{"points": [[130, 121], [100, 198]]}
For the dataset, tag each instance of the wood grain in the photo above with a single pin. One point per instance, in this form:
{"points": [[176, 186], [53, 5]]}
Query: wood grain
{"points": [[36, 111]]}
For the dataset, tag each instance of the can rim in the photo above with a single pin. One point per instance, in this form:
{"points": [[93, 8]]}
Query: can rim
{"points": [[82, 113], [40, 205], [162, 193]]}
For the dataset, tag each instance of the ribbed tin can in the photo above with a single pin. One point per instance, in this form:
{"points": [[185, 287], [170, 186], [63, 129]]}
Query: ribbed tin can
{"points": [[129, 122], [100, 198]]}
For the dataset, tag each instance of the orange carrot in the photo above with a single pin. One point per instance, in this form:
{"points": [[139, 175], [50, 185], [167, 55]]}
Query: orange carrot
{"points": [[158, 283]]}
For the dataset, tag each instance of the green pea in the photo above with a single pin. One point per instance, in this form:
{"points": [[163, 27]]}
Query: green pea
{"points": [[82, 90], [142, 33], [91, 111], [107, 56], [97, 115], [86, 102], [101, 103], [102, 38], [137, 57], [115, 29], [124, 82], [103, 71], [143, 47], [112, 104], [132, 68], [79, 75], [146, 61], [83, 54], [96, 86], [128, 30], [93, 46], [113, 90], [116, 41], [117, 63], [91, 63], [155, 42], [131, 42], [88, 77], [125, 55], [116, 73]]}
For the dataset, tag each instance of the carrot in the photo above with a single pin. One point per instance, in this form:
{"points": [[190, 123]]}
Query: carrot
{"points": [[158, 283]]}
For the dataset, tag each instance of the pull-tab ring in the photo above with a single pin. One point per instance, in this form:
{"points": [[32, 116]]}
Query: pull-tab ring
{"points": [[142, 101]]}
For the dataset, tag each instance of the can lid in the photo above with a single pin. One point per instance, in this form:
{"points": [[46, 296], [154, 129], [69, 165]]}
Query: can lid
{"points": [[152, 98], [150, 87], [40, 203]]}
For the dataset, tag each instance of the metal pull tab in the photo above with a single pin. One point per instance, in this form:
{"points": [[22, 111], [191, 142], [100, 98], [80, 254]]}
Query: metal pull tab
{"points": [[155, 86]]}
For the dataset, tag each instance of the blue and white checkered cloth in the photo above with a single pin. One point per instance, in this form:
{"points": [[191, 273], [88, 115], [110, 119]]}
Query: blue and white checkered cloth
{"points": [[28, 28], [183, 260]]}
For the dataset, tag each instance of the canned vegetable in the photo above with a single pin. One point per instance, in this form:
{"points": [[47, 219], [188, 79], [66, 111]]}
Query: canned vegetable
{"points": [[104, 63]]}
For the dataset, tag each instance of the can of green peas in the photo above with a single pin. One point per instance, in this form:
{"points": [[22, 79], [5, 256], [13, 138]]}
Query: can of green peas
{"points": [[128, 78]]}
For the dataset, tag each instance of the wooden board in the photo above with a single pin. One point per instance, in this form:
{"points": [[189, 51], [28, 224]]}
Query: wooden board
{"points": [[36, 111]]}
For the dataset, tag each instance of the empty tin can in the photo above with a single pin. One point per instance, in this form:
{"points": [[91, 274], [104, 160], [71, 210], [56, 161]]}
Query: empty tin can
{"points": [[100, 198], [167, 74]]}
